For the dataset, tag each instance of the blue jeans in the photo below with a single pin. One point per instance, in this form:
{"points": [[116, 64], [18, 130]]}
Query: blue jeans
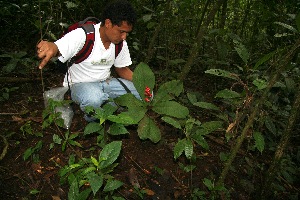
{"points": [[96, 93]]}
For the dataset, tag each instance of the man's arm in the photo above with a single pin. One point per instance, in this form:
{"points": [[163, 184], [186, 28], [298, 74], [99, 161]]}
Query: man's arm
{"points": [[124, 72], [46, 50]]}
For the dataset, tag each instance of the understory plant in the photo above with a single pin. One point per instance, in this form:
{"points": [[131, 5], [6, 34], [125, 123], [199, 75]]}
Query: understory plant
{"points": [[92, 175]]}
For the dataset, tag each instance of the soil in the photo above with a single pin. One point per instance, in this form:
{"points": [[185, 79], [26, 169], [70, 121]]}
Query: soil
{"points": [[149, 166]]}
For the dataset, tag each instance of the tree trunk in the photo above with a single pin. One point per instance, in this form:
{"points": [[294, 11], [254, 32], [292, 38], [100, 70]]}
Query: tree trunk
{"points": [[151, 48], [223, 15], [283, 62], [194, 51], [270, 175]]}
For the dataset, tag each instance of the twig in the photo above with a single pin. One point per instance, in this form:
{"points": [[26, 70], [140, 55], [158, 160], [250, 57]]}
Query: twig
{"points": [[4, 151]]}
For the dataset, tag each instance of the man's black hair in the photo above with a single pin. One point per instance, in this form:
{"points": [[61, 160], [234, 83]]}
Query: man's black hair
{"points": [[119, 11]]}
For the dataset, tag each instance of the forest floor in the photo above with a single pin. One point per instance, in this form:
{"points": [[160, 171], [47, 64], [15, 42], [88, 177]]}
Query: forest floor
{"points": [[151, 166]]}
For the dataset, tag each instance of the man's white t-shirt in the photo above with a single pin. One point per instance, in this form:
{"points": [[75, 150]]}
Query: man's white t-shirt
{"points": [[97, 66]]}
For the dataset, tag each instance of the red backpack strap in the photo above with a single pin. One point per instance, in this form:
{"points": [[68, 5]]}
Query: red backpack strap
{"points": [[118, 48], [86, 50]]}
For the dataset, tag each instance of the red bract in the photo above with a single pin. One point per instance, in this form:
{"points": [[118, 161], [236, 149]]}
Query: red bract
{"points": [[148, 94]]}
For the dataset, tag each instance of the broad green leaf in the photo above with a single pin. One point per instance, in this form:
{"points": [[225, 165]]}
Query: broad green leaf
{"points": [[117, 129], [172, 122], [112, 185], [192, 97], [208, 183], [259, 141], [179, 148], [109, 109], [200, 140], [122, 118], [227, 94], [188, 149], [95, 181], [84, 194], [130, 101], [270, 125], [74, 190], [147, 129], [221, 72], [174, 87], [109, 154], [168, 89], [136, 108], [143, 77], [171, 108], [264, 59], [260, 83], [242, 51], [212, 126], [88, 170], [206, 105], [92, 127]]}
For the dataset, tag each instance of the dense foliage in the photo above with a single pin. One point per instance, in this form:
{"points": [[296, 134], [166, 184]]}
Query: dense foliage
{"points": [[246, 50]]}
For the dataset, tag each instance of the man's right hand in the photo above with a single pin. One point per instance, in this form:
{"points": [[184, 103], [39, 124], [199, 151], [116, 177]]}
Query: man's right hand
{"points": [[45, 51]]}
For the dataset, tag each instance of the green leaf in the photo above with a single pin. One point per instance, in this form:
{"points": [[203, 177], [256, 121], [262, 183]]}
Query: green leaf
{"points": [[188, 149], [264, 59], [212, 126], [259, 141], [208, 183], [34, 191], [172, 122], [171, 108], [84, 194], [260, 83], [27, 153], [117, 129], [289, 27], [200, 140], [174, 87], [143, 77], [206, 105], [227, 94], [92, 127], [147, 129], [109, 154], [122, 118], [192, 98], [95, 181], [223, 73], [270, 125], [166, 90], [73, 191], [179, 148], [95, 161], [242, 51], [112, 185]]}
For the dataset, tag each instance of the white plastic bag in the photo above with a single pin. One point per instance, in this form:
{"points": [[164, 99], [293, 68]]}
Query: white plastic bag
{"points": [[58, 94]]}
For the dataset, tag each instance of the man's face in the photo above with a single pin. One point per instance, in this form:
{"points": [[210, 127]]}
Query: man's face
{"points": [[115, 33]]}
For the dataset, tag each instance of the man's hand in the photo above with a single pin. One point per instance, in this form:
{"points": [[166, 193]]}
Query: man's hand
{"points": [[46, 50]]}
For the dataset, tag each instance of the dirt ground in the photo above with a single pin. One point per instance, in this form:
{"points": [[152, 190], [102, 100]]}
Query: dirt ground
{"points": [[149, 165]]}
